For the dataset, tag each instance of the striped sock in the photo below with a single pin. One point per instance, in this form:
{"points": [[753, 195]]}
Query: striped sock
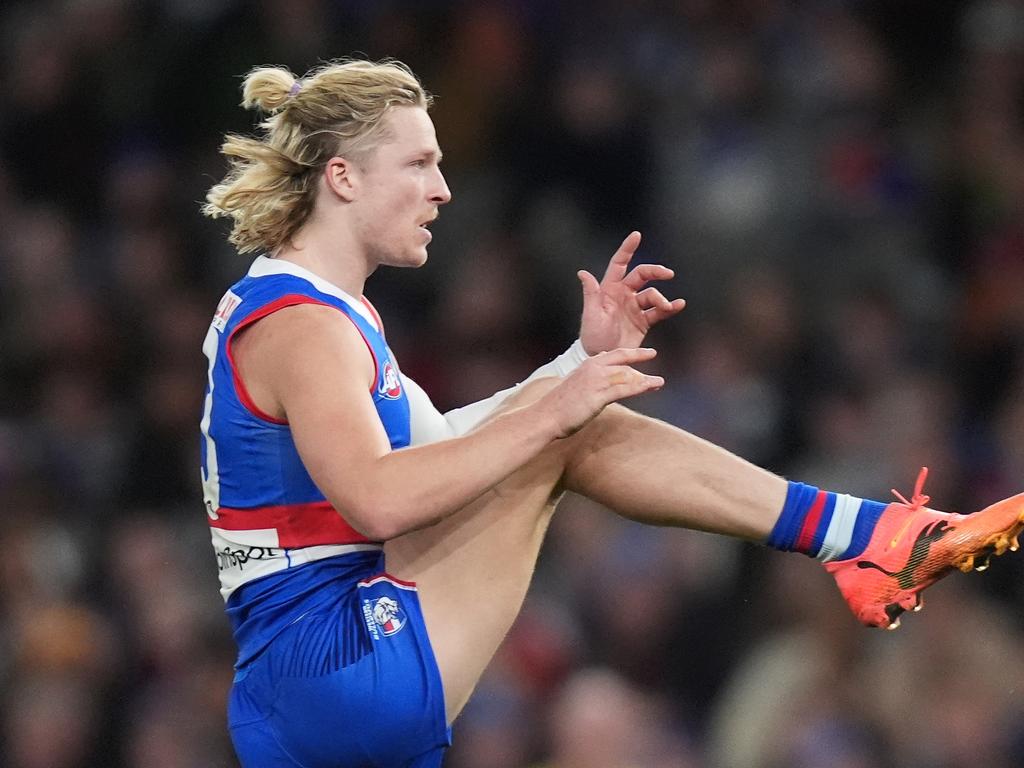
{"points": [[826, 526]]}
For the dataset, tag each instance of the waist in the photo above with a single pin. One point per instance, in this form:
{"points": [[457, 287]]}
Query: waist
{"points": [[260, 609], [253, 543]]}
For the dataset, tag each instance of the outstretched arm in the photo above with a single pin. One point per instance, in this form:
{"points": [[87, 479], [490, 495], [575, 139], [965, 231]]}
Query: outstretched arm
{"points": [[309, 366]]}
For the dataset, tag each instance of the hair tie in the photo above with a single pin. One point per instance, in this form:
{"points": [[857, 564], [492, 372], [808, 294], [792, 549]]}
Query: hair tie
{"points": [[296, 87]]}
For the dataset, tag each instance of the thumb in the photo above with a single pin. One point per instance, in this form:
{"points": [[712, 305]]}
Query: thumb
{"points": [[589, 282]]}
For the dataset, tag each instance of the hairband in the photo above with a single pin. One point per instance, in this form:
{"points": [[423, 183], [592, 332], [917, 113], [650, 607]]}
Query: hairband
{"points": [[296, 87]]}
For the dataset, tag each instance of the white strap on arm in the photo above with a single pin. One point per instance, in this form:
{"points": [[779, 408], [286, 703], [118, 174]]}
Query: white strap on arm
{"points": [[428, 425]]}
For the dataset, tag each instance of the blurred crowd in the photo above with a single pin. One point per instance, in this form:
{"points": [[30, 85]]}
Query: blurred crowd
{"points": [[839, 186]]}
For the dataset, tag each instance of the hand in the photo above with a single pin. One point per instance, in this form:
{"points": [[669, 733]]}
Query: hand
{"points": [[599, 381], [618, 311]]}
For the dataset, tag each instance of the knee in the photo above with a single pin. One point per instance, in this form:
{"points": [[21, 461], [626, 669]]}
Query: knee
{"points": [[616, 424], [612, 423], [614, 419]]}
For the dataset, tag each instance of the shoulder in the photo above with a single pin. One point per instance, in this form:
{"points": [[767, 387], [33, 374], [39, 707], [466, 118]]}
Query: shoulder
{"points": [[313, 335]]}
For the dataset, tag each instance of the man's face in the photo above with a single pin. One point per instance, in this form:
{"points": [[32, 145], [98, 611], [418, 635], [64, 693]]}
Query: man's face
{"points": [[401, 189]]}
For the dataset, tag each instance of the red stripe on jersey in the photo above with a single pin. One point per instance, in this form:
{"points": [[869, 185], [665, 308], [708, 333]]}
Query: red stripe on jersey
{"points": [[290, 300], [297, 525], [806, 536]]}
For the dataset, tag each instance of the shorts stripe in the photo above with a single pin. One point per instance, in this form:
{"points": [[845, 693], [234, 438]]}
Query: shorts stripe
{"points": [[370, 581]]}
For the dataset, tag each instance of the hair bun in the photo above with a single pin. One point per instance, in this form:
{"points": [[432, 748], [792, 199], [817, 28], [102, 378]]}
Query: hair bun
{"points": [[267, 88]]}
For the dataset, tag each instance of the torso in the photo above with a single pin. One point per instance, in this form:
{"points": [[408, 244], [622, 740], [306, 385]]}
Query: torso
{"points": [[272, 528]]}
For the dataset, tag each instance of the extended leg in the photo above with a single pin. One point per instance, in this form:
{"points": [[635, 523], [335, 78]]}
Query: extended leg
{"points": [[655, 473], [479, 561], [883, 556]]}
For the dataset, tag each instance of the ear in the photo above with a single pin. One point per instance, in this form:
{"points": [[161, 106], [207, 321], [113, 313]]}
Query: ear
{"points": [[342, 178]]}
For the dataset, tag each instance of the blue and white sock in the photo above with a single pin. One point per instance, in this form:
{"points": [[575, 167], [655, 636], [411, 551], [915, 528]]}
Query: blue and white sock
{"points": [[823, 525]]}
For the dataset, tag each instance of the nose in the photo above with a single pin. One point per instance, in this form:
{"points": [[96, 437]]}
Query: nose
{"points": [[440, 194]]}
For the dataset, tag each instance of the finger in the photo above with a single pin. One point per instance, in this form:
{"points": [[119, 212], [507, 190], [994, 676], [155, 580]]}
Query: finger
{"points": [[637, 385], [622, 375], [657, 314], [634, 383], [652, 298], [644, 273], [626, 356], [620, 259], [590, 284]]}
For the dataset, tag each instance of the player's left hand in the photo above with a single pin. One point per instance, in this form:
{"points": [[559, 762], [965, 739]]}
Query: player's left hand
{"points": [[618, 311]]}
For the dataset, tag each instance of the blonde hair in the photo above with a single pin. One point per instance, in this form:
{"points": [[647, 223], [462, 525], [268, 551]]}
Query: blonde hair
{"points": [[336, 109]]}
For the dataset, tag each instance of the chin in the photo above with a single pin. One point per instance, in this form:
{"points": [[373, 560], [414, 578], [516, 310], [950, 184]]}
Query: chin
{"points": [[419, 257], [411, 260]]}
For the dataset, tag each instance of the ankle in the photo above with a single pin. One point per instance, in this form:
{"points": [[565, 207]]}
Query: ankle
{"points": [[824, 525]]}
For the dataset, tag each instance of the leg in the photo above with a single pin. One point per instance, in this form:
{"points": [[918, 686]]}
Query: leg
{"points": [[478, 563], [481, 559], [654, 473], [483, 556]]}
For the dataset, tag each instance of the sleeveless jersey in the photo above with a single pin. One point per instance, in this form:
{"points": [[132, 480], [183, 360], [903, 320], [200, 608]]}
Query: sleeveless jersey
{"points": [[279, 543]]}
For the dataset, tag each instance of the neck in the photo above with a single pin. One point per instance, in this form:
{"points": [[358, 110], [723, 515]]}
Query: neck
{"points": [[334, 256]]}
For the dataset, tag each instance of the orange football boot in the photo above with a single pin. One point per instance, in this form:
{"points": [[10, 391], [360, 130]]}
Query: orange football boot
{"points": [[912, 547]]}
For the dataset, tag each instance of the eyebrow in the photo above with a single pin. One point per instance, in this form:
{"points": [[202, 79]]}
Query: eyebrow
{"points": [[435, 154]]}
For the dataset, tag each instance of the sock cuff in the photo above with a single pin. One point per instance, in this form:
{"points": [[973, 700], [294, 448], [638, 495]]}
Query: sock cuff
{"points": [[799, 499], [867, 517]]}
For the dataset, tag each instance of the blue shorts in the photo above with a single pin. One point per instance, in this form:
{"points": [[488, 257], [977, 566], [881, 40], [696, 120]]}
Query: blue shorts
{"points": [[353, 685]]}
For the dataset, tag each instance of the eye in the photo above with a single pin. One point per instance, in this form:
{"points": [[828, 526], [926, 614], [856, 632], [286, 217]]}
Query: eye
{"points": [[419, 163]]}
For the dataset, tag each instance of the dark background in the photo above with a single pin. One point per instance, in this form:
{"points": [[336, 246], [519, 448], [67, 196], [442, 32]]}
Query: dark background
{"points": [[839, 187]]}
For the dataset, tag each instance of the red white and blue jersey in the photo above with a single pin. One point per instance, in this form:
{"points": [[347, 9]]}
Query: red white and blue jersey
{"points": [[278, 541]]}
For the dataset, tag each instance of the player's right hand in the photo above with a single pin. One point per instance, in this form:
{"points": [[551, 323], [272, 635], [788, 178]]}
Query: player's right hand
{"points": [[599, 381]]}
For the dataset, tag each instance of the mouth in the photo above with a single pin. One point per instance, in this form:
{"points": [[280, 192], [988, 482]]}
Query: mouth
{"points": [[424, 226]]}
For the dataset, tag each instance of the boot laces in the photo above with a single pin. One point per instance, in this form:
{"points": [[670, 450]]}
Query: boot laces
{"points": [[919, 499]]}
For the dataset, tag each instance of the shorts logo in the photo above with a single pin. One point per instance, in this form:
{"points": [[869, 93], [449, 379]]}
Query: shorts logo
{"points": [[390, 386], [388, 615]]}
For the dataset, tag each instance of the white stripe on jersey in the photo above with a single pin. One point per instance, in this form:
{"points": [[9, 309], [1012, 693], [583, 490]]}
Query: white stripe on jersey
{"points": [[243, 556], [211, 478], [264, 266]]}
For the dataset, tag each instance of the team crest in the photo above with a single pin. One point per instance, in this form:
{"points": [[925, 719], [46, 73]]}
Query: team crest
{"points": [[389, 615], [390, 385]]}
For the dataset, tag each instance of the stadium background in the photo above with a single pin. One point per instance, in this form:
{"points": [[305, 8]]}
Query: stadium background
{"points": [[840, 188]]}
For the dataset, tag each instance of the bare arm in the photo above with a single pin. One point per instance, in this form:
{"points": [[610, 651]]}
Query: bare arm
{"points": [[309, 365]]}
